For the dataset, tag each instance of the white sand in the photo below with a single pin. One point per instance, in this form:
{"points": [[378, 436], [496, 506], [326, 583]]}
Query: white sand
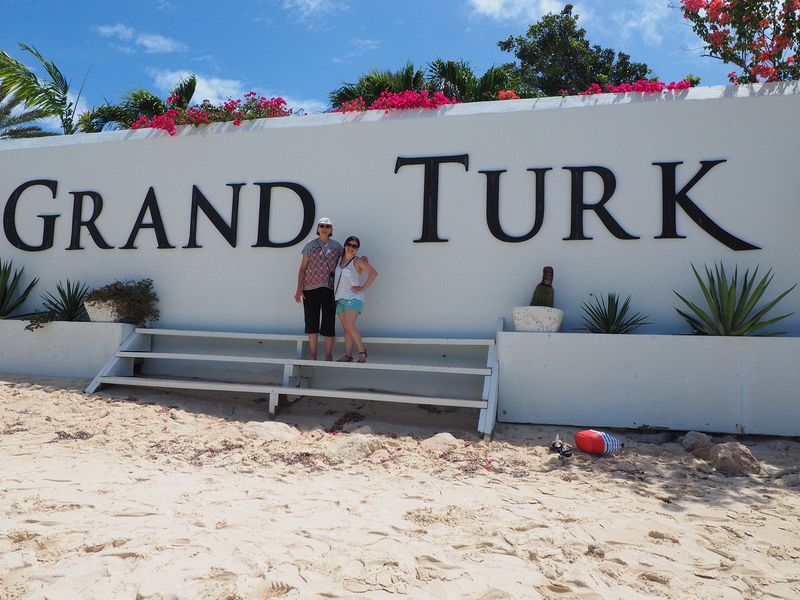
{"points": [[167, 495]]}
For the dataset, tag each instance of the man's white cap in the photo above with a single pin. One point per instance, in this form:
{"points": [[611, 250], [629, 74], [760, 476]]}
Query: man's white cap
{"points": [[325, 221]]}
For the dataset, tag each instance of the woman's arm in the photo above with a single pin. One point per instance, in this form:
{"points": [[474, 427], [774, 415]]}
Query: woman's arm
{"points": [[301, 275], [362, 267]]}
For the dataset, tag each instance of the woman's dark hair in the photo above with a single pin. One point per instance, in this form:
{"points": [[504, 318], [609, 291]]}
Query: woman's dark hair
{"points": [[353, 238]]}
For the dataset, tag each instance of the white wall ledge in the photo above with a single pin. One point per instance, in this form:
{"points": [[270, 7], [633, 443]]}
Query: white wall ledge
{"points": [[783, 88]]}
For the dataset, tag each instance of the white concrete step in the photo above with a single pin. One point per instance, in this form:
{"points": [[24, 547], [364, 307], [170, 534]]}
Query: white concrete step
{"points": [[294, 338], [194, 384], [382, 366]]}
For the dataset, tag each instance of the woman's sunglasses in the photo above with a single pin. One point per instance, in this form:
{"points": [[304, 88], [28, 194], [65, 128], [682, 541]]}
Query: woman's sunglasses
{"points": [[351, 245]]}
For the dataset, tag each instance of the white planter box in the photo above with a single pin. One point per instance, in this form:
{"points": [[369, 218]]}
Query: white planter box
{"points": [[62, 349], [101, 312], [722, 384]]}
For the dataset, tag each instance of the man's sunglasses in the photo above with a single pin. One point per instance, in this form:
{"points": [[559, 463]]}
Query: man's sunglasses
{"points": [[325, 226]]}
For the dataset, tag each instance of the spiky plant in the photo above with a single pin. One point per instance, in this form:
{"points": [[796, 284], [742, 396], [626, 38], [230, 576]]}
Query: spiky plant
{"points": [[66, 306], [605, 315], [730, 307], [10, 298]]}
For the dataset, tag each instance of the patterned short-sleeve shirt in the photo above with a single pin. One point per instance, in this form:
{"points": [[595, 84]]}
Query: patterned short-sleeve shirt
{"points": [[321, 262]]}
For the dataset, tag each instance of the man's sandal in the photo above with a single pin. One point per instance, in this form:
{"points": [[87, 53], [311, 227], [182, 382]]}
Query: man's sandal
{"points": [[564, 450], [362, 359]]}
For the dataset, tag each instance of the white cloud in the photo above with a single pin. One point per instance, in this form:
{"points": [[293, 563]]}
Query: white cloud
{"points": [[118, 31], [313, 8], [309, 106], [358, 47], [213, 89], [647, 19], [152, 43], [365, 45], [217, 90], [506, 10]]}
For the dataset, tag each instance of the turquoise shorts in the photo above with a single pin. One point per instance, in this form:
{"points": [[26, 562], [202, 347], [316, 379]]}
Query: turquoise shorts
{"points": [[344, 304]]}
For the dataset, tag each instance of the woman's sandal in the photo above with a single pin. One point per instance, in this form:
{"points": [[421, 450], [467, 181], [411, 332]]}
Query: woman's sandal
{"points": [[364, 358], [346, 358]]}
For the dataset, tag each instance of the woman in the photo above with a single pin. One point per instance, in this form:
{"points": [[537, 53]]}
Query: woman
{"points": [[315, 290], [349, 294]]}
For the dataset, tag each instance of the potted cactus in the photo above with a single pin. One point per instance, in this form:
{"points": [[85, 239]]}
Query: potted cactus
{"points": [[540, 315]]}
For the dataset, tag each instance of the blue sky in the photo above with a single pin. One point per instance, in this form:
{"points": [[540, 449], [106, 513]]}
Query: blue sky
{"points": [[303, 49]]}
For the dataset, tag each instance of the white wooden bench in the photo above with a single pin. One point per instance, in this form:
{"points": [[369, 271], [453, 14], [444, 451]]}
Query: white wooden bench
{"points": [[468, 366]]}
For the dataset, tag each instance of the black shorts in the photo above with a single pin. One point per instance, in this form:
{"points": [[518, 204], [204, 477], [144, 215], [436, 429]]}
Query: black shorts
{"points": [[320, 301]]}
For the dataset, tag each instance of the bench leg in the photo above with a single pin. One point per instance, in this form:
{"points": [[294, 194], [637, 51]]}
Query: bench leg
{"points": [[273, 401]]}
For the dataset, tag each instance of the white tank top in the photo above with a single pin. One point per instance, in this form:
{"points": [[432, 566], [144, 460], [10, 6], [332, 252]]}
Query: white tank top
{"points": [[346, 278]]}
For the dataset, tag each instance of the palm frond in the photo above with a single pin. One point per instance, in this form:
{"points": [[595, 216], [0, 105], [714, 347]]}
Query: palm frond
{"points": [[375, 81], [22, 124], [454, 79], [18, 79], [50, 95], [184, 91], [493, 81]]}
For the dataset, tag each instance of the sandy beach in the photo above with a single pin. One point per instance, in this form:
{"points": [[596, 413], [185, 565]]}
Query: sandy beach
{"points": [[145, 496]]}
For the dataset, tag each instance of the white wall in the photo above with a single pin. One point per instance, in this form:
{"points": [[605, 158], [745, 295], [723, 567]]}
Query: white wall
{"points": [[725, 384], [59, 349], [456, 288]]}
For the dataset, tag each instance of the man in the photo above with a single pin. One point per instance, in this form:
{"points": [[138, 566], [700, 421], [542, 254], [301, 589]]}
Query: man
{"points": [[315, 287]]}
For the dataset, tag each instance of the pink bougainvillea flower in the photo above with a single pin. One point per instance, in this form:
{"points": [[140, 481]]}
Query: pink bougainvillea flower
{"points": [[410, 99], [507, 95], [693, 5], [642, 86]]}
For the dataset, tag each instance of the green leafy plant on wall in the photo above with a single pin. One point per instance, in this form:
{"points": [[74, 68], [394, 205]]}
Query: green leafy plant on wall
{"points": [[606, 315], [133, 301], [67, 305], [731, 307], [11, 293]]}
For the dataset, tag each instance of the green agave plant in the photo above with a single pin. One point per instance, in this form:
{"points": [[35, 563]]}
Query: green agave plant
{"points": [[66, 306], [605, 315], [730, 307], [10, 298]]}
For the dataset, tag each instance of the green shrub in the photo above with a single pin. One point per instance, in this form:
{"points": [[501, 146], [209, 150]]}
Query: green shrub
{"points": [[133, 301]]}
